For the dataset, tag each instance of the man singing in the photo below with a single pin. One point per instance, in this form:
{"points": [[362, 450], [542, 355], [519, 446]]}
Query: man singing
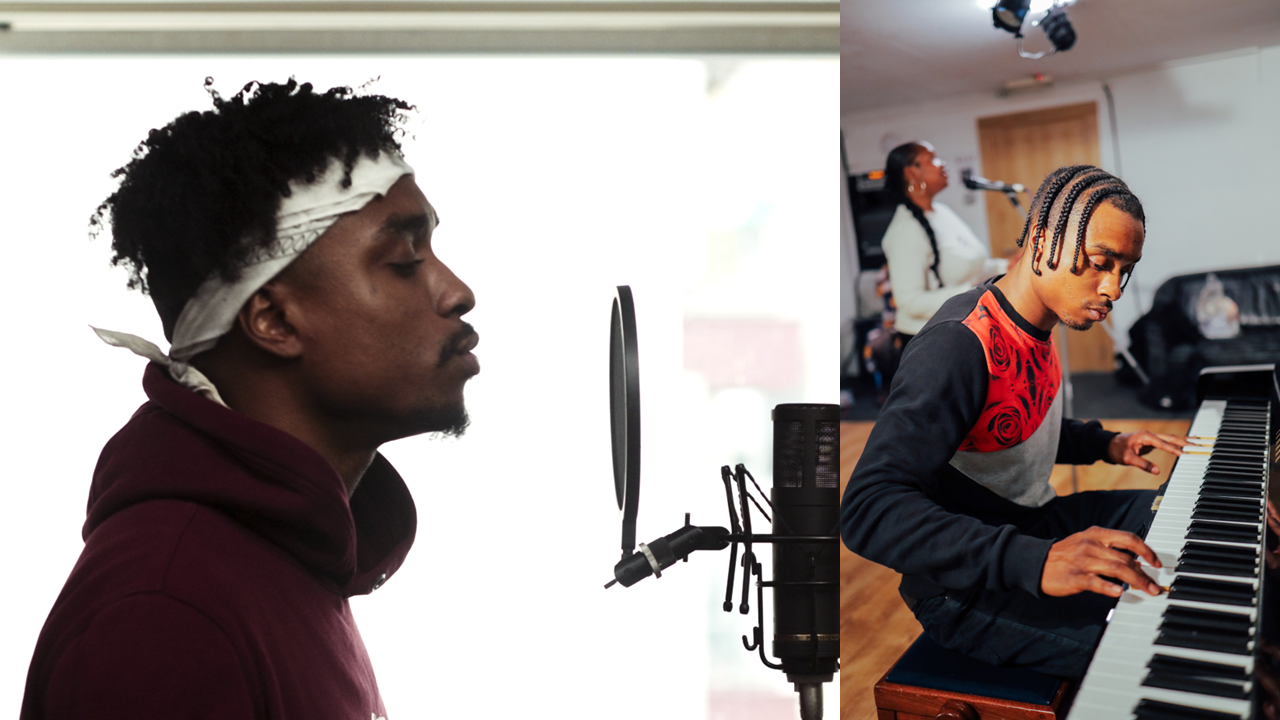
{"points": [[288, 252]]}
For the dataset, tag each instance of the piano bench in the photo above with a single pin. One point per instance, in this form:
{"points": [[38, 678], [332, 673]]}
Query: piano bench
{"points": [[930, 682]]}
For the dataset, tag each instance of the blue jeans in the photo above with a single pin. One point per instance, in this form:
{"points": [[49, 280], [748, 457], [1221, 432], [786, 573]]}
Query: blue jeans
{"points": [[1054, 635]]}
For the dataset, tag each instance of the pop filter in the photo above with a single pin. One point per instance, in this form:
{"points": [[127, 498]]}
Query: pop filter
{"points": [[624, 412]]}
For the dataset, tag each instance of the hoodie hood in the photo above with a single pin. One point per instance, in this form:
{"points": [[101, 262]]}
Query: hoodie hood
{"points": [[181, 446]]}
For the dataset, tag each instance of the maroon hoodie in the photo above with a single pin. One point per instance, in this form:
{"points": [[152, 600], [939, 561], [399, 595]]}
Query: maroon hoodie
{"points": [[219, 555]]}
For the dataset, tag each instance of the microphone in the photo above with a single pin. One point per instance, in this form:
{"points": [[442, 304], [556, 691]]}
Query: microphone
{"points": [[806, 575], [974, 182], [665, 551]]}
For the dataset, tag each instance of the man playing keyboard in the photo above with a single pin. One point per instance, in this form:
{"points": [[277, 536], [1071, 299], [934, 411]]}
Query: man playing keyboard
{"points": [[953, 488]]}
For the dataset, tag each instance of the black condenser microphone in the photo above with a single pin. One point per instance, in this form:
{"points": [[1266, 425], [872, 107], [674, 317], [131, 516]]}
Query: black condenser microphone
{"points": [[974, 182], [806, 575]]}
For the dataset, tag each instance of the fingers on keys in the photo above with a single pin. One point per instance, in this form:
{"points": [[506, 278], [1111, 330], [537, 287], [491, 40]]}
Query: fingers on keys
{"points": [[1085, 561]]}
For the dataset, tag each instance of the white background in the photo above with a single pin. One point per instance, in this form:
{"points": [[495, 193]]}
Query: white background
{"points": [[556, 180]]}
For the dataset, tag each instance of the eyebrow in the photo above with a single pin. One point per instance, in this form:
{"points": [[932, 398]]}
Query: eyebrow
{"points": [[1100, 249], [404, 224]]}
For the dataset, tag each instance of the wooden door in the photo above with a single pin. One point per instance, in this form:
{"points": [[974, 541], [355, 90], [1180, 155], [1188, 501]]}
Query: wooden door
{"points": [[1025, 148]]}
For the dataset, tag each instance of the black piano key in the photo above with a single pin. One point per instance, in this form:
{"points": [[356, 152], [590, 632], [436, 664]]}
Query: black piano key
{"points": [[1201, 550], [1223, 592], [1225, 532], [1254, 460], [1223, 639], [1200, 686], [1229, 453], [1243, 497], [1227, 492], [1199, 668], [1238, 440], [1252, 490], [1222, 473], [1254, 463], [1214, 488], [1148, 709], [1237, 623], [1240, 493], [1251, 466], [1244, 448], [1238, 454], [1222, 643], [1205, 630], [1253, 479], [1211, 568], [1249, 557], [1230, 503], [1238, 488], [1246, 534], [1255, 517]]}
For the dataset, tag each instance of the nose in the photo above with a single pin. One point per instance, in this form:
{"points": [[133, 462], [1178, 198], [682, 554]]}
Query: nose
{"points": [[453, 298], [1110, 287]]}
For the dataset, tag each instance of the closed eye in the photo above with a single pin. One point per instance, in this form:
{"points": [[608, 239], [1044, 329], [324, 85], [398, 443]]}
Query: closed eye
{"points": [[407, 269]]}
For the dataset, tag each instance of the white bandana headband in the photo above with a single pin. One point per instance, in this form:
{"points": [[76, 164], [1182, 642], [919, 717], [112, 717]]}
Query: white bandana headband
{"points": [[303, 217]]}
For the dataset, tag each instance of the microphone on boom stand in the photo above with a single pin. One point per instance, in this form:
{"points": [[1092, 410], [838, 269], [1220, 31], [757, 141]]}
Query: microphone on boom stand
{"points": [[975, 182]]}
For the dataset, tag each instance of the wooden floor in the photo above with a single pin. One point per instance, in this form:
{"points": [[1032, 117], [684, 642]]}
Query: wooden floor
{"points": [[875, 625]]}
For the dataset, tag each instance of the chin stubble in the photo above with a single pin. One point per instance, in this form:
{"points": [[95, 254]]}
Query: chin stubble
{"points": [[456, 426]]}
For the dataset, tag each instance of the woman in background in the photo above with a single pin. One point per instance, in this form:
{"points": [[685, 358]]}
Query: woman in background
{"points": [[932, 254]]}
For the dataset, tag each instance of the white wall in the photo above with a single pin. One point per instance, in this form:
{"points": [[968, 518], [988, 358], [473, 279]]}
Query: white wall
{"points": [[1197, 143]]}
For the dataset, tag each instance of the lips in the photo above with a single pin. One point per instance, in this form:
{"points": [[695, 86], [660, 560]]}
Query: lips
{"points": [[469, 343], [461, 343], [1098, 314]]}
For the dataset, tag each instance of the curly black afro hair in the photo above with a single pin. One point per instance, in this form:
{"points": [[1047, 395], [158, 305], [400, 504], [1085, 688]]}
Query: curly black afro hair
{"points": [[201, 194]]}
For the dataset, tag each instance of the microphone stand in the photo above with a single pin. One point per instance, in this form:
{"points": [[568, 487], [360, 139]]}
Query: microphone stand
{"points": [[657, 556], [1013, 198]]}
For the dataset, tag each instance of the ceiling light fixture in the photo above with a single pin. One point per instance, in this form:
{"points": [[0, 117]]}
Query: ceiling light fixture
{"points": [[1011, 16]]}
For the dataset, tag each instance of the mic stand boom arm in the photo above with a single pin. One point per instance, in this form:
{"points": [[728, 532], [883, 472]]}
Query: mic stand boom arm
{"points": [[662, 553]]}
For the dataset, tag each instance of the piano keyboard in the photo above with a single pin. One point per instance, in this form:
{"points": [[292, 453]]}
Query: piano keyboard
{"points": [[1188, 654]]}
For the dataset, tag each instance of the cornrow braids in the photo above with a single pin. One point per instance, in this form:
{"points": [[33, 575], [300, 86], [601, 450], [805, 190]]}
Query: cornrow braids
{"points": [[896, 186], [201, 194], [1039, 209], [1059, 229], [1073, 193]]}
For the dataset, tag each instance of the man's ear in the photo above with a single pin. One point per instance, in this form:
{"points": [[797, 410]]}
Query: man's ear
{"points": [[264, 321]]}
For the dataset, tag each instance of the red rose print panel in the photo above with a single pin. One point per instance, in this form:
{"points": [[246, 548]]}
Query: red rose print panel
{"points": [[1024, 377]]}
